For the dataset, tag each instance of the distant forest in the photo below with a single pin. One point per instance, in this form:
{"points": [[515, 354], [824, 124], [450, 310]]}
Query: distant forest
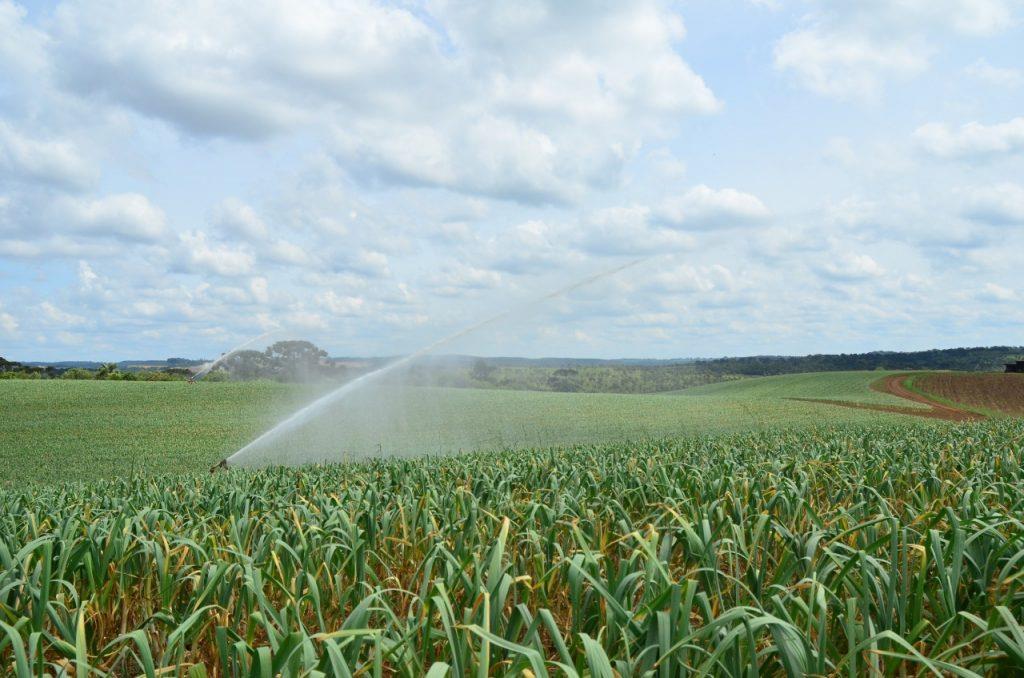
{"points": [[291, 361], [982, 359], [611, 376]]}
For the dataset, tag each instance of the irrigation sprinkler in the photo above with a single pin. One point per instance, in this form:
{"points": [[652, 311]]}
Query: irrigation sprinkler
{"points": [[222, 465]]}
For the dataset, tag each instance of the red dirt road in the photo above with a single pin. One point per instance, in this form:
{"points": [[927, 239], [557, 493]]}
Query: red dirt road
{"points": [[894, 385]]}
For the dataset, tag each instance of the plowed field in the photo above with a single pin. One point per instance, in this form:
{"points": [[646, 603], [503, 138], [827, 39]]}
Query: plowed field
{"points": [[999, 393]]}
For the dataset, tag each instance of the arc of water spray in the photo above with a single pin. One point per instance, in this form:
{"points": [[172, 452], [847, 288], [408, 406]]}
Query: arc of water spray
{"points": [[310, 411], [206, 368]]}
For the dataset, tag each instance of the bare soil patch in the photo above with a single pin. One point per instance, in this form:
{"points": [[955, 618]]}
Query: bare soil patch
{"points": [[896, 385], [1003, 393]]}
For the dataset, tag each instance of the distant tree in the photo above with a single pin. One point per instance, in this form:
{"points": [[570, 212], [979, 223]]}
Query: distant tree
{"points": [[296, 360], [250, 365], [78, 373], [565, 380], [182, 362], [8, 366], [106, 371], [482, 370]]}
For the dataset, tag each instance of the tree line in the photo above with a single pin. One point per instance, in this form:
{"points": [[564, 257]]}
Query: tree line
{"points": [[978, 359], [106, 372]]}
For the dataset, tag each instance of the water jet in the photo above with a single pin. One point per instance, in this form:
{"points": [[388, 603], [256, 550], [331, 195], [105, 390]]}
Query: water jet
{"points": [[309, 412]]}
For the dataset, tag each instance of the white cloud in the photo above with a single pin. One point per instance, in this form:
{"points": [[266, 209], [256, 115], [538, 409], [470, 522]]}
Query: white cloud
{"points": [[305, 320], [687, 278], [235, 218], [536, 104], [489, 155], [238, 224], [56, 162], [973, 140], [460, 278], [588, 65], [848, 49], [340, 305], [284, 252], [259, 287], [371, 263], [93, 288], [23, 48], [8, 323], [849, 266], [87, 277], [60, 317], [995, 75], [841, 151], [1002, 204], [57, 246], [705, 208], [128, 215], [531, 246], [846, 66], [994, 292], [414, 163], [242, 69], [149, 309], [627, 231], [203, 256]]}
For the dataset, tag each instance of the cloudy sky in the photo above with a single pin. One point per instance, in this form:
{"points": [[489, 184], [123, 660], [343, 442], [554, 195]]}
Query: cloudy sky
{"points": [[796, 175]]}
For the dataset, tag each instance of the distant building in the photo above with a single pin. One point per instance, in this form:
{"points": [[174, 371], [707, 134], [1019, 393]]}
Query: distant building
{"points": [[1017, 367]]}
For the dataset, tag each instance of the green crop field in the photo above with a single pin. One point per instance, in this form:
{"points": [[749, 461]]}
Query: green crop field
{"points": [[891, 550], [56, 430], [852, 387]]}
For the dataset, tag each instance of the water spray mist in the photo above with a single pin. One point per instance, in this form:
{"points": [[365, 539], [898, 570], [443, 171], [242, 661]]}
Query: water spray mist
{"points": [[210, 366], [309, 412]]}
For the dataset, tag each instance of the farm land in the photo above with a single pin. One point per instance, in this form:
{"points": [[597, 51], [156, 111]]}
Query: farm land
{"points": [[809, 524]]}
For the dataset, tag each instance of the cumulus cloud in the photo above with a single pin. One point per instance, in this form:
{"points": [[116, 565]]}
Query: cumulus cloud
{"points": [[285, 252], [235, 218], [8, 323], [1000, 205], [461, 278], [705, 208], [850, 266], [59, 317], [306, 320], [49, 161], [23, 48], [340, 305], [994, 292], [55, 247], [627, 231], [846, 66], [995, 75], [571, 60], [689, 278], [532, 246], [241, 69], [259, 289], [848, 49], [972, 141], [400, 164], [203, 256], [490, 156], [238, 224], [127, 215], [535, 104]]}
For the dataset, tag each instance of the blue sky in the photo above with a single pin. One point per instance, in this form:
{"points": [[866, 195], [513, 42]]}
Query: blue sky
{"points": [[798, 176]]}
